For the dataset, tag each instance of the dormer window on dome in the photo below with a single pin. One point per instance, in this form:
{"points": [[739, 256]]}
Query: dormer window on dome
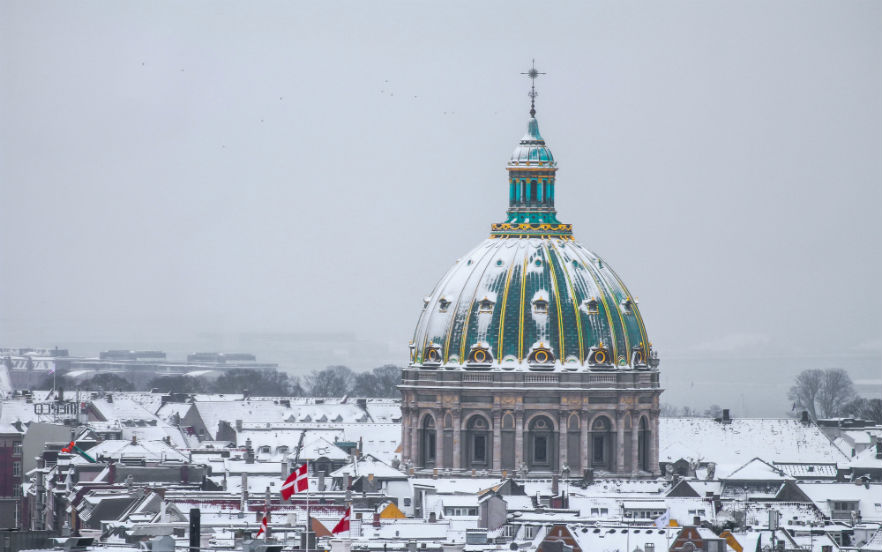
{"points": [[540, 305], [443, 303], [479, 356], [432, 356], [541, 356], [599, 356], [485, 305], [591, 305], [628, 305]]}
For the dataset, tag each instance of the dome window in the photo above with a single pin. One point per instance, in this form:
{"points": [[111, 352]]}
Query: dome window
{"points": [[540, 306], [599, 356], [443, 304], [485, 305], [541, 356], [426, 301], [432, 356], [638, 357], [628, 305], [591, 305], [479, 356]]}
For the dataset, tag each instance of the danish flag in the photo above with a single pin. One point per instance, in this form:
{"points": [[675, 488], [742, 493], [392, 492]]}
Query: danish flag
{"points": [[343, 524], [297, 482], [262, 527]]}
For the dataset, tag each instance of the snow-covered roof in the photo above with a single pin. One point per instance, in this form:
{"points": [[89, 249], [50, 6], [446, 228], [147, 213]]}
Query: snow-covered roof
{"points": [[119, 449], [869, 497], [369, 465], [757, 470], [773, 440]]}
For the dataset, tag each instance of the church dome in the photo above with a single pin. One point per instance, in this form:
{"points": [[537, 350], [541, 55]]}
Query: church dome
{"points": [[530, 297]]}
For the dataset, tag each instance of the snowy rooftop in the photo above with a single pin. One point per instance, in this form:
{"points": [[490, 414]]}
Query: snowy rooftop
{"points": [[773, 440]]}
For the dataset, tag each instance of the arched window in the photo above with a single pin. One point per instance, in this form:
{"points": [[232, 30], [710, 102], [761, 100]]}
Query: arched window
{"points": [[533, 191], [428, 441], [477, 442], [643, 445], [541, 443], [601, 443]]}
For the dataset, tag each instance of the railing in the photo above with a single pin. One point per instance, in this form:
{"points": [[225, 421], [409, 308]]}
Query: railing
{"points": [[602, 378], [477, 378], [540, 378]]}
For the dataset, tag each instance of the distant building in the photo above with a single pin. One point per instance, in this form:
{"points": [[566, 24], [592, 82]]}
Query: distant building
{"points": [[531, 354]]}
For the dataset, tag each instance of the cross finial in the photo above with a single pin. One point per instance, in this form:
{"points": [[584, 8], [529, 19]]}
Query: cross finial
{"points": [[533, 73]]}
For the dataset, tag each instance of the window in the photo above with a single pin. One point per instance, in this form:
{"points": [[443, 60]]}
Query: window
{"points": [[16, 469], [443, 303], [407, 502], [540, 306], [540, 453], [486, 305], [598, 449], [16, 448], [510, 531], [480, 448], [460, 511]]}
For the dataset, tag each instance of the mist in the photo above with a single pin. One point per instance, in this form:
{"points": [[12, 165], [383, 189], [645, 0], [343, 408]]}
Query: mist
{"points": [[204, 175]]}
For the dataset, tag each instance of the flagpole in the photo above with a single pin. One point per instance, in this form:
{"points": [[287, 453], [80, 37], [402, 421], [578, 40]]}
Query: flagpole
{"points": [[308, 520]]}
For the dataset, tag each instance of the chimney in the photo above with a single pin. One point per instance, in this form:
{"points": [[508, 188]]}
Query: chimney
{"points": [[243, 500], [726, 418], [804, 418], [555, 487], [246, 393], [696, 521], [376, 519], [588, 476], [238, 425], [249, 452], [878, 449], [195, 529], [432, 517]]}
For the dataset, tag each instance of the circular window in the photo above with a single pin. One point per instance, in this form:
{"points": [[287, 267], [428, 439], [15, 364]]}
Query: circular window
{"points": [[541, 356], [599, 357], [480, 356], [432, 354], [499, 262]]}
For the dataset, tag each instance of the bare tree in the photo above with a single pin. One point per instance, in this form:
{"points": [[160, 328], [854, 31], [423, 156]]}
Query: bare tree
{"points": [[835, 393], [333, 381], [805, 390], [865, 409], [824, 393]]}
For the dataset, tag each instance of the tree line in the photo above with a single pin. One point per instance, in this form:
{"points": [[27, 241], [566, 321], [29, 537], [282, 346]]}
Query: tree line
{"points": [[822, 393], [333, 381], [830, 394]]}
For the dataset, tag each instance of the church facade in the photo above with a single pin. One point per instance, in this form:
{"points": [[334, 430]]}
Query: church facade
{"points": [[531, 355]]}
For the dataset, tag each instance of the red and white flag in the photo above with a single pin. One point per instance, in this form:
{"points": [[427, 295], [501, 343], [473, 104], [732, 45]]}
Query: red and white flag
{"points": [[297, 482], [343, 524], [262, 527]]}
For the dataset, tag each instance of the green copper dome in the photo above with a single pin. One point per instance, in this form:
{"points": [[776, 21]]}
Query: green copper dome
{"points": [[531, 297]]}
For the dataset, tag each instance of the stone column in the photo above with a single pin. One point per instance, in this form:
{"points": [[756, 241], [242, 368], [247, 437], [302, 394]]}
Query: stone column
{"points": [[635, 434], [653, 443], [519, 439], [620, 441], [439, 440], [562, 441], [415, 439], [583, 453], [457, 441], [497, 440]]}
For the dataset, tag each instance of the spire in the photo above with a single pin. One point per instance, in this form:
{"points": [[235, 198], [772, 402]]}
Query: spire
{"points": [[531, 174], [533, 74]]}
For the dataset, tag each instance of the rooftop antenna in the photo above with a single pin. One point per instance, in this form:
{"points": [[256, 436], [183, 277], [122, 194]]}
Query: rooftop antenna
{"points": [[532, 74]]}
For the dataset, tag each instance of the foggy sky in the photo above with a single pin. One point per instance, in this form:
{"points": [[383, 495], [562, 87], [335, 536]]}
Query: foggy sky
{"points": [[174, 168]]}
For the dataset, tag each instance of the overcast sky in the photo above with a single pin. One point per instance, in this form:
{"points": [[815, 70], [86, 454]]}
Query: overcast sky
{"points": [[168, 168]]}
